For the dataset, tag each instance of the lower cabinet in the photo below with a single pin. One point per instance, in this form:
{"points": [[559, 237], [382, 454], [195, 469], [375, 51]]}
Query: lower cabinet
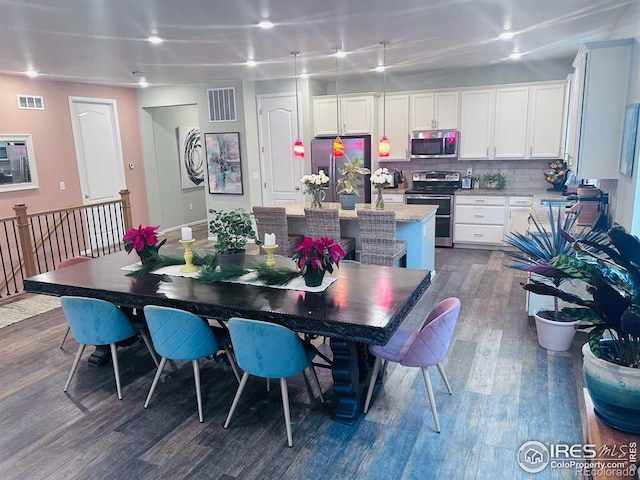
{"points": [[486, 219], [388, 197]]}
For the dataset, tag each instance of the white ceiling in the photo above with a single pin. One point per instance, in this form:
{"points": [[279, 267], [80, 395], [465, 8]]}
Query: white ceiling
{"points": [[103, 41]]}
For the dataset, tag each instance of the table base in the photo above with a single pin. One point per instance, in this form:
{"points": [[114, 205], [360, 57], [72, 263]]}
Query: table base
{"points": [[350, 371]]}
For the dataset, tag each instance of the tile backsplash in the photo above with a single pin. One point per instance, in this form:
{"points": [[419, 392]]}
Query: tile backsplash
{"points": [[526, 174]]}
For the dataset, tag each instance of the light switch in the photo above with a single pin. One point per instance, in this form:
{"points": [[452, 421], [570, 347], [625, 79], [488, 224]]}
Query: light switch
{"points": [[62, 186], [255, 175]]}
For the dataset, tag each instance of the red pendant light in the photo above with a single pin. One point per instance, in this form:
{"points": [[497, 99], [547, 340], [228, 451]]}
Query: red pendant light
{"points": [[338, 147], [298, 146], [383, 145]]}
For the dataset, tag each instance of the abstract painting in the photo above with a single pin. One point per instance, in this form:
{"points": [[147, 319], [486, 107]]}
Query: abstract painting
{"points": [[224, 163], [191, 159], [629, 134]]}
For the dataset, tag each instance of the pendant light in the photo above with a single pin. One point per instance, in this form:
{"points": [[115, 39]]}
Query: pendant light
{"points": [[383, 144], [338, 147], [298, 146]]}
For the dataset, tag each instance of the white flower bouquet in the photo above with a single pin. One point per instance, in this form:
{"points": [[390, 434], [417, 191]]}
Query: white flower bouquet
{"points": [[381, 178], [315, 182]]}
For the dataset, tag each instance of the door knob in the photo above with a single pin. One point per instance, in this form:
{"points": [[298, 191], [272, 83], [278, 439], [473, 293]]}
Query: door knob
{"points": [[86, 195], [297, 188]]}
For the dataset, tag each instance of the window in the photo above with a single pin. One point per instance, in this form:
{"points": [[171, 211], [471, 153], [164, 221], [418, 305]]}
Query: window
{"points": [[17, 163]]}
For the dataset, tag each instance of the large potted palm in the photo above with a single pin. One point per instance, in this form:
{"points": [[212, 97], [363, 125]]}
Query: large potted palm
{"points": [[534, 251], [347, 186], [611, 359]]}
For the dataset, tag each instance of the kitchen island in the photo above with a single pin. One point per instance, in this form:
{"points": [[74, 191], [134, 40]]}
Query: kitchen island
{"points": [[414, 223]]}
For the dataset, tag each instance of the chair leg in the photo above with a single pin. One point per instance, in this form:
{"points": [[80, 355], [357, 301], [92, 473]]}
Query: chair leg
{"points": [[116, 368], [196, 377], [427, 382], [236, 399], [268, 384], [372, 382], [232, 362], [314, 377], [163, 362], [149, 345], [76, 361], [444, 378], [285, 407], [64, 339]]}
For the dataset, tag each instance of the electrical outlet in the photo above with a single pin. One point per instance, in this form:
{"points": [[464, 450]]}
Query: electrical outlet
{"points": [[469, 171], [191, 206], [62, 186]]}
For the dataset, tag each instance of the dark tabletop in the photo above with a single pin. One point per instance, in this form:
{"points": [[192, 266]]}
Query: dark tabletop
{"points": [[366, 303]]}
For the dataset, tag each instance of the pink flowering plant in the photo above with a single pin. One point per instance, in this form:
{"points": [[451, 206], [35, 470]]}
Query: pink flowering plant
{"points": [[317, 253], [144, 240]]}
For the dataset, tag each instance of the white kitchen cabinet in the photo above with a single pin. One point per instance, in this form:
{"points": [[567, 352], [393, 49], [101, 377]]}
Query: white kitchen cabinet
{"points": [[397, 126], [510, 123], [356, 115], [518, 214], [479, 219], [544, 126], [434, 110], [598, 99], [476, 123], [389, 197]]}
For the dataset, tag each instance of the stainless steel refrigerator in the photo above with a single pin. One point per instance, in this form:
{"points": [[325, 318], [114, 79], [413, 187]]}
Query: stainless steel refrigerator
{"points": [[322, 159]]}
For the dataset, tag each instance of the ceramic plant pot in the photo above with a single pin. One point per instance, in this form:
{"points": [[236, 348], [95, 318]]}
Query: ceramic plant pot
{"points": [[614, 389], [556, 336], [313, 277], [235, 258], [348, 201]]}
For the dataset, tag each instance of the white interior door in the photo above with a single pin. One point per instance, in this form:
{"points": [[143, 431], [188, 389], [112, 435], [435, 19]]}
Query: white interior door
{"points": [[281, 171], [96, 136]]}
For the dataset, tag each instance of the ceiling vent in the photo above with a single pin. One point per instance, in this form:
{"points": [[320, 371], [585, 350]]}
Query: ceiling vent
{"points": [[30, 102], [222, 104]]}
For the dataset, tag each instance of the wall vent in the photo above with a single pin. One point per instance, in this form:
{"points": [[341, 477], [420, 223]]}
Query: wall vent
{"points": [[222, 104], [30, 102]]}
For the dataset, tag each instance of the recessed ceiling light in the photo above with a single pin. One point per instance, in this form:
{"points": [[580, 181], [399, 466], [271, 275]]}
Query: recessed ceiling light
{"points": [[31, 73], [143, 83], [341, 53], [266, 24], [506, 35], [515, 56], [304, 75], [251, 63], [380, 68], [155, 40]]}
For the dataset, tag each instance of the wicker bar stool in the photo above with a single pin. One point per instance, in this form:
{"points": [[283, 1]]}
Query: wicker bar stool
{"points": [[274, 220], [378, 242], [325, 222]]}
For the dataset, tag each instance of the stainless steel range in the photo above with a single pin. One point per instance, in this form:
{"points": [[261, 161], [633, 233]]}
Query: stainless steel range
{"points": [[436, 188]]}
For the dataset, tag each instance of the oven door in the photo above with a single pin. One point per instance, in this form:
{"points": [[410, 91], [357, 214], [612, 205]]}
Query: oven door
{"points": [[444, 215]]}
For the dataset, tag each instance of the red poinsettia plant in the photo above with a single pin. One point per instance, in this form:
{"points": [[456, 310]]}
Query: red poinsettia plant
{"points": [[317, 253], [144, 240]]}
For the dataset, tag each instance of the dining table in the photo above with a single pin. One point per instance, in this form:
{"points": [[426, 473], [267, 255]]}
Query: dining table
{"points": [[363, 306]]}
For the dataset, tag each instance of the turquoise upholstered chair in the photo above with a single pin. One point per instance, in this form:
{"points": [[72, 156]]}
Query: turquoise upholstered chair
{"points": [[67, 263], [270, 351], [180, 335], [421, 348], [96, 322]]}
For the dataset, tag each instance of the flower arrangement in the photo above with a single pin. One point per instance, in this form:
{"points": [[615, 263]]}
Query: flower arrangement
{"points": [[381, 178], [315, 182], [144, 240], [314, 256]]}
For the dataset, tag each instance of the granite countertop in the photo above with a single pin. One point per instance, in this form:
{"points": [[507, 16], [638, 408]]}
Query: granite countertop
{"points": [[512, 192], [404, 213]]}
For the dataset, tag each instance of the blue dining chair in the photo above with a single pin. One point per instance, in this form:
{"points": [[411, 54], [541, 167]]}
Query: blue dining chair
{"points": [[180, 335], [269, 350], [97, 322], [67, 263], [421, 348]]}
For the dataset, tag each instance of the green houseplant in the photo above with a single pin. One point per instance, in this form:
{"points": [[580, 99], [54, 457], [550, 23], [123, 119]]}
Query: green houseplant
{"points": [[534, 251], [610, 265], [233, 229], [347, 185], [497, 180]]}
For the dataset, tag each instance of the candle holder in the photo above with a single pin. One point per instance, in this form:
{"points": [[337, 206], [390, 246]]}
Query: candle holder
{"points": [[271, 262], [189, 267]]}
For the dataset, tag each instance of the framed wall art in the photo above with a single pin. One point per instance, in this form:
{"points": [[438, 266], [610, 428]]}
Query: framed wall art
{"points": [[224, 162], [190, 157], [629, 134]]}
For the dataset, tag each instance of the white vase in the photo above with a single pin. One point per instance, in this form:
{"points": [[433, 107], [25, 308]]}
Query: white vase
{"points": [[556, 336]]}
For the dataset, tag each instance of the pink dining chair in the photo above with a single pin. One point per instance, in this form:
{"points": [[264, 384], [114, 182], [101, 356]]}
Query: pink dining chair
{"points": [[421, 348], [67, 263]]}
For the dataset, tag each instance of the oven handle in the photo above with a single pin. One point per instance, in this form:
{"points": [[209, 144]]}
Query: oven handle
{"points": [[428, 197]]}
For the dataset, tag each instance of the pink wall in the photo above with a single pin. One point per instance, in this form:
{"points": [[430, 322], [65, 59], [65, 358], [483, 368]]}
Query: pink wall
{"points": [[53, 142]]}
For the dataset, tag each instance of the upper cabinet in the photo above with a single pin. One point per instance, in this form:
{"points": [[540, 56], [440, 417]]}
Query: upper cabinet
{"points": [[356, 115], [596, 111], [393, 115], [512, 122], [434, 111]]}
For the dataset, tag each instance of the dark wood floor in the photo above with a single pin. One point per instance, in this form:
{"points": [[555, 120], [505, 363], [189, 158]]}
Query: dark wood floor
{"points": [[507, 390]]}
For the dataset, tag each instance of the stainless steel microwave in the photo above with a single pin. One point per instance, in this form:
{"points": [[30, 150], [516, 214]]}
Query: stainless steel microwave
{"points": [[435, 144]]}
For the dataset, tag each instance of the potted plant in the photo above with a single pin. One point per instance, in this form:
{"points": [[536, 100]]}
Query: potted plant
{"points": [[144, 240], [497, 180], [315, 256], [347, 186], [533, 253], [611, 359], [233, 229]]}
